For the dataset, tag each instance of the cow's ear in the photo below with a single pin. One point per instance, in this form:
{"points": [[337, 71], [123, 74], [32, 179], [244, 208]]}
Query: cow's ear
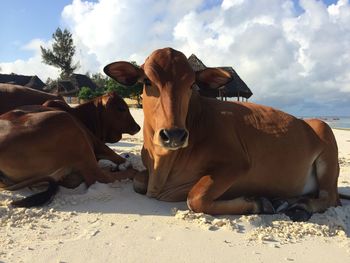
{"points": [[124, 72], [213, 78]]}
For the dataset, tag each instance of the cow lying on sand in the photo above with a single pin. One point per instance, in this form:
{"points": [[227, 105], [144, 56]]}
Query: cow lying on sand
{"points": [[226, 157], [107, 116], [43, 144], [14, 96]]}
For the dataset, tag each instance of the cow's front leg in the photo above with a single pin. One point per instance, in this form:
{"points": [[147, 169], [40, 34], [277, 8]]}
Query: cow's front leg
{"points": [[204, 195], [104, 152]]}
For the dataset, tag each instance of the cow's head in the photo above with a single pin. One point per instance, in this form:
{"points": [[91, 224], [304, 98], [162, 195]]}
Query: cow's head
{"points": [[168, 80], [117, 117]]}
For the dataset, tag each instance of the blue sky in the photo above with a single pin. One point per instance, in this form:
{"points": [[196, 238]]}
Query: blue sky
{"points": [[292, 59], [24, 20]]}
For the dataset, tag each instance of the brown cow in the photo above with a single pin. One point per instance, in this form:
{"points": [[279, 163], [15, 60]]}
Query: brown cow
{"points": [[13, 96], [40, 144], [226, 157], [107, 116]]}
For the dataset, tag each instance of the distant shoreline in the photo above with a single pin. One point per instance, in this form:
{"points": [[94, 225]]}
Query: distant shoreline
{"points": [[342, 129], [335, 122]]}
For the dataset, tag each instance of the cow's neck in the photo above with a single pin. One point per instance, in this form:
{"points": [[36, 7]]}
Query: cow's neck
{"points": [[90, 114], [160, 166], [195, 116]]}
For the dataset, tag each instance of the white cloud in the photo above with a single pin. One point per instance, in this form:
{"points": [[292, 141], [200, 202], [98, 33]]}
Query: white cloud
{"points": [[295, 61], [33, 65]]}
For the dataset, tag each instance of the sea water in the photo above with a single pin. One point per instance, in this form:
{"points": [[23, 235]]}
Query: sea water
{"points": [[334, 121]]}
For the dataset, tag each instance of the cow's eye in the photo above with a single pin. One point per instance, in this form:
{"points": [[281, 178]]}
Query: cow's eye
{"points": [[147, 82]]}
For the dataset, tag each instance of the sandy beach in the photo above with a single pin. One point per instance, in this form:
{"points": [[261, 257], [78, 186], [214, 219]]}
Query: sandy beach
{"points": [[112, 223]]}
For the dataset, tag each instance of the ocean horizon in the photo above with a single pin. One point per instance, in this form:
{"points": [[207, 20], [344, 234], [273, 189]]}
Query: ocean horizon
{"points": [[335, 122]]}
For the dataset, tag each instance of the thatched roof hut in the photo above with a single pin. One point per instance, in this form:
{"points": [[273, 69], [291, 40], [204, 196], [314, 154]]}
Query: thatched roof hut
{"points": [[64, 88], [196, 63], [80, 80], [29, 81], [235, 88], [72, 86]]}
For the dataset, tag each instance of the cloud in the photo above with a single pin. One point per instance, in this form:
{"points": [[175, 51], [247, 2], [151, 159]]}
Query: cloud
{"points": [[292, 59], [32, 66]]}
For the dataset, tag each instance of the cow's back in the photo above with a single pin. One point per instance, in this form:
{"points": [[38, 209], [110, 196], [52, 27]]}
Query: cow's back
{"points": [[13, 96]]}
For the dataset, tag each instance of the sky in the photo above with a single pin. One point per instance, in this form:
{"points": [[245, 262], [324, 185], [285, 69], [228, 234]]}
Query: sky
{"points": [[293, 54]]}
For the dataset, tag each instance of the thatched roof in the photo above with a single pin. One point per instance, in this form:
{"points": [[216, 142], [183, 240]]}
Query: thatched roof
{"points": [[72, 86], [196, 63], [29, 81], [235, 88], [80, 80], [64, 88]]}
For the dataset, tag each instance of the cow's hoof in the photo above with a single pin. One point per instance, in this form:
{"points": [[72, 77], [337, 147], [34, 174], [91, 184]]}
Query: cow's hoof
{"points": [[140, 189], [140, 185], [124, 166], [280, 205], [266, 206], [107, 165], [298, 213]]}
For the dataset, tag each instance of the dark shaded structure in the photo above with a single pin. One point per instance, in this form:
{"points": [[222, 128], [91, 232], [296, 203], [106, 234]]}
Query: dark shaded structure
{"points": [[196, 63], [235, 88], [64, 88], [72, 86], [28, 81]]}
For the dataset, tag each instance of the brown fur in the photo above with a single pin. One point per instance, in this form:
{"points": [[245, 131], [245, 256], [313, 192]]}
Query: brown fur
{"points": [[40, 143], [14, 96], [107, 117], [234, 151]]}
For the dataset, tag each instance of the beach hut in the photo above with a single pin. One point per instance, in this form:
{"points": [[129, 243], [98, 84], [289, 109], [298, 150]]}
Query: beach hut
{"points": [[235, 88], [64, 88], [33, 82], [80, 80], [69, 88]]}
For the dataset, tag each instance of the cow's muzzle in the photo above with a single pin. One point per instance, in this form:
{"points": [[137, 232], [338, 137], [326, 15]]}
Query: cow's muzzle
{"points": [[136, 128], [173, 139]]}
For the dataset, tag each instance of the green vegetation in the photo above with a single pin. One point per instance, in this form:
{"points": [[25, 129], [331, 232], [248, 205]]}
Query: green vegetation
{"points": [[126, 92], [86, 93], [106, 84], [61, 54]]}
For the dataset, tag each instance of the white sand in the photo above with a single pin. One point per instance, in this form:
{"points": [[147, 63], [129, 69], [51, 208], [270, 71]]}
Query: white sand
{"points": [[111, 223]]}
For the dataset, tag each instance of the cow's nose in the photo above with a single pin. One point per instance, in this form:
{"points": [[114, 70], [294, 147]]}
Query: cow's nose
{"points": [[135, 129], [173, 138]]}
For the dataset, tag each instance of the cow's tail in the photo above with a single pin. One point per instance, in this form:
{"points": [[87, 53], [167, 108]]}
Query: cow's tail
{"points": [[344, 196], [37, 199]]}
